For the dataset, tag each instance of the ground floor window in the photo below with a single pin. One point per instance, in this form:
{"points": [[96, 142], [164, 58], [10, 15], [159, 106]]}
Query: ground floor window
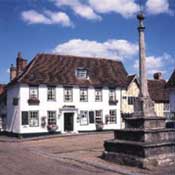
{"points": [[112, 117], [51, 117], [25, 118], [33, 118], [98, 117], [83, 117]]}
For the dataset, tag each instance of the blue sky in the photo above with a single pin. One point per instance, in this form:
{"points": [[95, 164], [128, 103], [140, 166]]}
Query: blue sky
{"points": [[101, 28]]}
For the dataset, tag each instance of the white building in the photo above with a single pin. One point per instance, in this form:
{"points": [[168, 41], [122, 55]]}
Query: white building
{"points": [[64, 94], [171, 88]]}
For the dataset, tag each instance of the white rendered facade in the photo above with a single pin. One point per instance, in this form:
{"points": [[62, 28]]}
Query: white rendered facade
{"points": [[60, 107]]}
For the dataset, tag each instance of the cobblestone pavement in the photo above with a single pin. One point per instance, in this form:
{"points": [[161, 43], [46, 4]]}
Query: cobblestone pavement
{"points": [[74, 155]]}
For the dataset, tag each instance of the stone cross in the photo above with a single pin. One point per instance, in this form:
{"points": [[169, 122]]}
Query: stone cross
{"points": [[144, 106], [142, 58]]}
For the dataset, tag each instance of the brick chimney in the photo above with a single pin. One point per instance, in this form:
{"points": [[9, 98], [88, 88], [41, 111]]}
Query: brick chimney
{"points": [[20, 63], [13, 72], [158, 76], [1, 88]]}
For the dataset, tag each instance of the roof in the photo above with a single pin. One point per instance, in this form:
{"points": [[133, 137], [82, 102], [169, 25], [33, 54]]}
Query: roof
{"points": [[2, 88], [51, 69], [171, 81], [157, 90]]}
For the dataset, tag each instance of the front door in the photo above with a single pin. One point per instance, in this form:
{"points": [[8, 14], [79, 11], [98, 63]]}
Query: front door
{"points": [[68, 121]]}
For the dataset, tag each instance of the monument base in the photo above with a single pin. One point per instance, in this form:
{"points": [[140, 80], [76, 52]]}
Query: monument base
{"points": [[145, 143], [146, 163]]}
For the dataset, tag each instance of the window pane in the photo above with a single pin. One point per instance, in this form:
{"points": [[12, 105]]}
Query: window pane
{"points": [[98, 117], [33, 92], [51, 93], [112, 118], [112, 95], [51, 117], [83, 94], [33, 118], [68, 96], [98, 95], [25, 119]]}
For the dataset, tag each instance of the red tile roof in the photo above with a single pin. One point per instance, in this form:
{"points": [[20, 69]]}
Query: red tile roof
{"points": [[53, 69], [157, 89]]}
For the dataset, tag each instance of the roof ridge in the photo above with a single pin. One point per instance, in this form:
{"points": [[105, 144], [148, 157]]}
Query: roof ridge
{"points": [[85, 57]]}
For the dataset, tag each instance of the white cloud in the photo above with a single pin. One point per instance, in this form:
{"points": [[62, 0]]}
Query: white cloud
{"points": [[113, 49], [48, 17], [126, 8], [83, 10], [158, 6], [157, 64]]}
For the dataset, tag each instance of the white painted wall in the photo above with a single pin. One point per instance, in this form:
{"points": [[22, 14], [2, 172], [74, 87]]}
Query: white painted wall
{"points": [[57, 106]]}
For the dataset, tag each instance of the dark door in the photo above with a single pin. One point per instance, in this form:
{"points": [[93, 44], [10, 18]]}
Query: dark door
{"points": [[68, 121]]}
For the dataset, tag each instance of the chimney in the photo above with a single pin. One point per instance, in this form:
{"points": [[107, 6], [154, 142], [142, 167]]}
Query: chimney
{"points": [[20, 63], [1, 89], [13, 72], [158, 76]]}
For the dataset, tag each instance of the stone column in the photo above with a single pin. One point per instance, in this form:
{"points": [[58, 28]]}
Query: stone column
{"points": [[144, 106], [142, 58]]}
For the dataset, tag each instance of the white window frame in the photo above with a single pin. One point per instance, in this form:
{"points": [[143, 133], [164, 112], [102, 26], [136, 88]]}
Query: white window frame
{"points": [[98, 95], [99, 118], [51, 93], [51, 118], [83, 94], [33, 92], [81, 73], [68, 94], [112, 118], [112, 95], [33, 122]]}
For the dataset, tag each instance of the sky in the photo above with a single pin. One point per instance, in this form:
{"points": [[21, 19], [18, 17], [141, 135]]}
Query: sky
{"points": [[95, 28]]}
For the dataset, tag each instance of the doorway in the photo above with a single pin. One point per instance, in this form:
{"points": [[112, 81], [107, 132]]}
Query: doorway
{"points": [[68, 122]]}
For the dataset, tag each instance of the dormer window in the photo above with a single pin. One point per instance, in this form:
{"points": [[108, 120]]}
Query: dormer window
{"points": [[81, 73]]}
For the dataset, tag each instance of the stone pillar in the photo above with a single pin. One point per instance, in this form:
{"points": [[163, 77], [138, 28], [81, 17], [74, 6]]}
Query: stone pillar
{"points": [[144, 106], [142, 58]]}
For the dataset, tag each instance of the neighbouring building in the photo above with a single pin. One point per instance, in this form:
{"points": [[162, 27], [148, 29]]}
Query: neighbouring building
{"points": [[157, 91], [3, 106], [64, 94], [171, 88]]}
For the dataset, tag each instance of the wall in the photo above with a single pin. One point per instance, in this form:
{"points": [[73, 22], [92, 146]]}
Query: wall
{"points": [[12, 122], [172, 100], [57, 106]]}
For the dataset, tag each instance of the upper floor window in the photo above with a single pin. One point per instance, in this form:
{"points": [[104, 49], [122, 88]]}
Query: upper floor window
{"points": [[112, 95], [81, 73], [68, 94], [98, 94], [51, 93], [84, 94], [131, 100], [33, 92]]}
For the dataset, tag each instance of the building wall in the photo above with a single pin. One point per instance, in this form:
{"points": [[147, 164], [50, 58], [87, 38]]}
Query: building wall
{"points": [[172, 100], [133, 91], [12, 121], [58, 106]]}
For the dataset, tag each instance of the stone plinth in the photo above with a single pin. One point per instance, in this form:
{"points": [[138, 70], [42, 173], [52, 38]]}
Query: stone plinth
{"points": [[145, 142]]}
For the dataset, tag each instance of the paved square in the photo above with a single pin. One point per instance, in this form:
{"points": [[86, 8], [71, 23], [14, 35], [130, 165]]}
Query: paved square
{"points": [[65, 155]]}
